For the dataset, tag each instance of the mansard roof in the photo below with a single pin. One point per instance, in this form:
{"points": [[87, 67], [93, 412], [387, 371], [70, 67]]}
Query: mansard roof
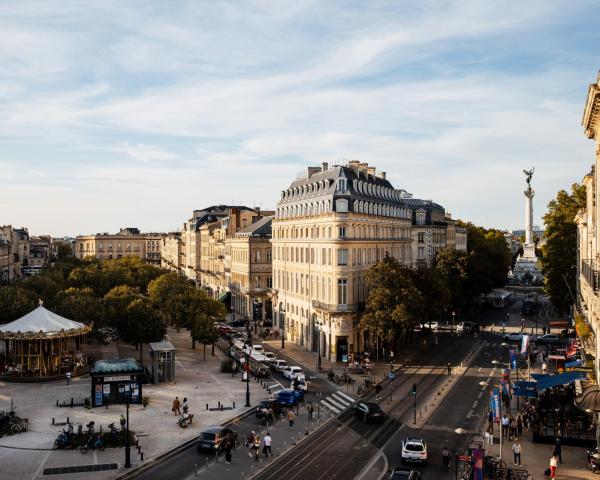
{"points": [[260, 228]]}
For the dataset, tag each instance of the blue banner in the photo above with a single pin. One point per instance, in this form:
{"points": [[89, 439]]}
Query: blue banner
{"points": [[513, 358], [496, 405]]}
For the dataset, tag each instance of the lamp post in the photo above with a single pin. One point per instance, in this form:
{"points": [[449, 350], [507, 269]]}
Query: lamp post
{"points": [[247, 367], [318, 325], [282, 326], [127, 447], [452, 329]]}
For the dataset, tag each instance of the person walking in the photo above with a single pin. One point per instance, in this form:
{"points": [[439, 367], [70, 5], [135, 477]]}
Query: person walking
{"points": [[519, 425], [311, 411], [513, 428], [68, 375], [446, 457], [256, 447], [505, 425], [449, 370], [516, 448], [553, 466], [491, 419], [557, 450], [544, 367], [267, 440], [176, 406], [228, 448], [291, 417], [184, 405]]}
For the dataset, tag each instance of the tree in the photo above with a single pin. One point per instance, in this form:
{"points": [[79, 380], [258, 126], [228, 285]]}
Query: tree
{"points": [[174, 297], [394, 303], [435, 292], [203, 330], [142, 324], [559, 254], [453, 267], [116, 302], [81, 305], [202, 312], [63, 249], [16, 301], [45, 287]]}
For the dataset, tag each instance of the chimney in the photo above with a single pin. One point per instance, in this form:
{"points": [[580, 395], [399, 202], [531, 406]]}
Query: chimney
{"points": [[371, 171], [324, 166], [310, 171], [382, 175], [363, 167]]}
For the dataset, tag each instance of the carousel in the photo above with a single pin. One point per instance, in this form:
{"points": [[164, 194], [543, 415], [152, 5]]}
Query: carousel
{"points": [[42, 346]]}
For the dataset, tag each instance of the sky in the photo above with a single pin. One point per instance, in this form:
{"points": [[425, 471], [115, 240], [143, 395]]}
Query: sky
{"points": [[135, 113]]}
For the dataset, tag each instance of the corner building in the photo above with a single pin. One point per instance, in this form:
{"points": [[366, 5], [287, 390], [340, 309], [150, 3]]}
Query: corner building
{"points": [[330, 226]]}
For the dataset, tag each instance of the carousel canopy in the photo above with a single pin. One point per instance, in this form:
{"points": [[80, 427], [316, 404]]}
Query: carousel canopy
{"points": [[42, 321]]}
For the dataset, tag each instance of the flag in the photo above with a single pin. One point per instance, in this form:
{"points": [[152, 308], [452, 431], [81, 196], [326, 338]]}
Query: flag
{"points": [[495, 399], [524, 344], [513, 358]]}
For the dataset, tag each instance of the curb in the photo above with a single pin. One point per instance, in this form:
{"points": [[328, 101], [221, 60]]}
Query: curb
{"points": [[135, 471]]}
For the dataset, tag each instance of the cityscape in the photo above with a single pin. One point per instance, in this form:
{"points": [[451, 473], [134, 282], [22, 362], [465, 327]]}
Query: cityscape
{"points": [[196, 283]]}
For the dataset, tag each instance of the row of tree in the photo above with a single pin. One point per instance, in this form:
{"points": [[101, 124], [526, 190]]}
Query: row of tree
{"points": [[401, 298], [125, 299]]}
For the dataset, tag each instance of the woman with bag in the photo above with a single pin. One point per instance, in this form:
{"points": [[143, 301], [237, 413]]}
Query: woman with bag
{"points": [[256, 447]]}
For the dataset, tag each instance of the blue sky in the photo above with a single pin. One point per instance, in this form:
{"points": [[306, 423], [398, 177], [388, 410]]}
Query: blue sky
{"points": [[136, 113]]}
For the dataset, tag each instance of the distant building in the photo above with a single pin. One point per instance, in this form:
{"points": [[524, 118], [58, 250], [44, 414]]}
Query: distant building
{"points": [[14, 253], [171, 252], [40, 251], [127, 242]]}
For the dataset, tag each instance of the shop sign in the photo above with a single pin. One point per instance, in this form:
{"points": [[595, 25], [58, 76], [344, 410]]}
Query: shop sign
{"points": [[118, 378]]}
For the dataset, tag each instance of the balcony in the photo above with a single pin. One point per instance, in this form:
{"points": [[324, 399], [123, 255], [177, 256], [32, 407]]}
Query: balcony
{"points": [[589, 271], [339, 308]]}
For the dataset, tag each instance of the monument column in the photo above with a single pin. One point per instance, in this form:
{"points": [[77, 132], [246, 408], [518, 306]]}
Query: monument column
{"points": [[529, 193]]}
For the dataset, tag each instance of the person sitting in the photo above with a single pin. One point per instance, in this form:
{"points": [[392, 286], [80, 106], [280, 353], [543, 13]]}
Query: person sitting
{"points": [[185, 417]]}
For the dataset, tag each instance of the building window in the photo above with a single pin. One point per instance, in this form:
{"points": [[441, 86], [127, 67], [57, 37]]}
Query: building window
{"points": [[342, 232], [342, 291], [421, 237], [341, 205], [342, 256], [269, 282], [421, 253], [269, 256], [420, 218]]}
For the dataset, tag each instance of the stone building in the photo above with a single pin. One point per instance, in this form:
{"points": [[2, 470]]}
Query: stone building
{"points": [[248, 267], [127, 242], [14, 252], [330, 226], [171, 252], [40, 251], [429, 226], [588, 258]]}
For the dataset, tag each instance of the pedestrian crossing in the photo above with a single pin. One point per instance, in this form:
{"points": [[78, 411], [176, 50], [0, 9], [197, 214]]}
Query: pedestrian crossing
{"points": [[337, 402]]}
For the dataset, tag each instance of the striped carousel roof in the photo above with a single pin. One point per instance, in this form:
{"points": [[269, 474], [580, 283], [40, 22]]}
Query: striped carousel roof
{"points": [[42, 321]]}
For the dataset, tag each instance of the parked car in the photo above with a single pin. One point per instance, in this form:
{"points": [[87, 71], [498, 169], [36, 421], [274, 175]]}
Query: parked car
{"points": [[279, 365], [299, 383], [431, 325], [513, 336], [468, 327], [292, 372], [267, 405], [401, 473], [288, 397], [260, 371], [258, 349], [548, 339], [223, 329], [269, 355], [414, 450], [212, 438], [369, 412], [240, 322]]}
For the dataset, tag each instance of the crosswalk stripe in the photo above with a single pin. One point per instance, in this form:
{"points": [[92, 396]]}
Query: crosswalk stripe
{"points": [[346, 396], [341, 400], [330, 407], [333, 401]]}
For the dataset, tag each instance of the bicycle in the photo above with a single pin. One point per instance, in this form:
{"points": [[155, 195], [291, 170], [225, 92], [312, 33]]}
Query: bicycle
{"points": [[464, 470], [94, 442], [497, 468]]}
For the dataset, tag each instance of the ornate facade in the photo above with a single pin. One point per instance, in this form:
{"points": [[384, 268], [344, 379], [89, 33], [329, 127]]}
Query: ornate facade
{"points": [[330, 226], [127, 242]]}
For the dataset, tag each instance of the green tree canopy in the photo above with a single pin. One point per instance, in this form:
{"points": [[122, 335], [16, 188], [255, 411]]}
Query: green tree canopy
{"points": [[142, 324], [81, 305], [453, 267], [45, 287], [559, 254], [116, 302], [203, 330], [16, 301]]}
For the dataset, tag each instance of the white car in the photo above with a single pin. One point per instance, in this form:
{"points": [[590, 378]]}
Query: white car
{"points": [[269, 355], [279, 365], [258, 349], [302, 383], [513, 336], [292, 372], [431, 325], [414, 450]]}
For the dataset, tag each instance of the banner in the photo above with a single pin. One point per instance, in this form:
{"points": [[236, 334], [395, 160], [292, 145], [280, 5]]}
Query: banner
{"points": [[513, 358], [477, 459], [495, 397], [524, 344]]}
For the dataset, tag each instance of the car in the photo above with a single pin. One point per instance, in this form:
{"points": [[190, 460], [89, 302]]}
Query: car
{"points": [[431, 325], [269, 355], [513, 336], [548, 339], [279, 365], [212, 438], [401, 473], [292, 372], [369, 412], [223, 329], [299, 383], [414, 450], [258, 349], [288, 397], [468, 327], [240, 322], [266, 405], [259, 371]]}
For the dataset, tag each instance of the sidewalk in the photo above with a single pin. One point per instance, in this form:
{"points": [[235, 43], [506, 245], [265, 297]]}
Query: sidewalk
{"points": [[26, 455]]}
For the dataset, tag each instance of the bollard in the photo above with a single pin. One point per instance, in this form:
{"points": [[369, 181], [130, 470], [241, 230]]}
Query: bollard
{"points": [[221, 407], [207, 406], [233, 404], [57, 403], [71, 402], [219, 404], [68, 420], [420, 416], [142, 455], [52, 420]]}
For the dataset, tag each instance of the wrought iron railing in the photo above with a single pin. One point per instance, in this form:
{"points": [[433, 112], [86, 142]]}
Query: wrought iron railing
{"points": [[589, 271]]}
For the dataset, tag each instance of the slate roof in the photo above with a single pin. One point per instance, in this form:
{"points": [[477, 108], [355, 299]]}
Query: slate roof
{"points": [[260, 228]]}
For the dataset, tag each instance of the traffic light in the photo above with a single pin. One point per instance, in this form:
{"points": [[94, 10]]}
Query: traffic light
{"points": [[414, 390]]}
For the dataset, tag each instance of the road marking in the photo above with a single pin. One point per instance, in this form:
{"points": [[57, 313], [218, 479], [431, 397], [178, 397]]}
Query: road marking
{"points": [[333, 401], [470, 413], [330, 407], [480, 394], [475, 404], [346, 396], [341, 399]]}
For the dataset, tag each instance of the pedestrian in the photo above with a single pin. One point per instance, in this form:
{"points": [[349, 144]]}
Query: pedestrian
{"points": [[449, 369], [267, 445], [228, 447], [184, 405], [522, 325], [553, 465], [519, 425], [176, 406], [557, 450], [392, 356], [505, 425], [256, 447], [68, 375], [291, 417], [491, 418], [435, 339], [311, 410], [490, 434], [516, 448], [544, 367], [513, 428]]}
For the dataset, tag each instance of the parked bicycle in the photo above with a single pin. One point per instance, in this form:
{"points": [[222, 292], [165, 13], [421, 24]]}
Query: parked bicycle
{"points": [[94, 442]]}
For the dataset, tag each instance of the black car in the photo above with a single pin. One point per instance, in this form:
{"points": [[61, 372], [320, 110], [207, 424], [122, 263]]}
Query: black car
{"points": [[266, 405], [369, 412], [548, 339], [240, 322], [260, 371], [401, 473], [212, 438]]}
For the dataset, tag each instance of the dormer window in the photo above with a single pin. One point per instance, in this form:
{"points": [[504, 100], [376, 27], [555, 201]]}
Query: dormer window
{"points": [[420, 217], [342, 185]]}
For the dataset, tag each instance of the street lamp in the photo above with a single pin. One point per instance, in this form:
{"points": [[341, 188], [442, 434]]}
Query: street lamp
{"points": [[318, 325], [127, 447], [459, 431], [282, 327], [452, 329]]}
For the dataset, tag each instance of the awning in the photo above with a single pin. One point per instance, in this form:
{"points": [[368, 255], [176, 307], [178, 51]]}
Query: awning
{"points": [[224, 297], [560, 379], [525, 389], [574, 363], [589, 399]]}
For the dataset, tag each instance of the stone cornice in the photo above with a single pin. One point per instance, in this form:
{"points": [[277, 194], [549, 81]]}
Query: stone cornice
{"points": [[592, 107]]}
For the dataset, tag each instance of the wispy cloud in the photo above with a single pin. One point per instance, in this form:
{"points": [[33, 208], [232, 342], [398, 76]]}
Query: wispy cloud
{"points": [[214, 102]]}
